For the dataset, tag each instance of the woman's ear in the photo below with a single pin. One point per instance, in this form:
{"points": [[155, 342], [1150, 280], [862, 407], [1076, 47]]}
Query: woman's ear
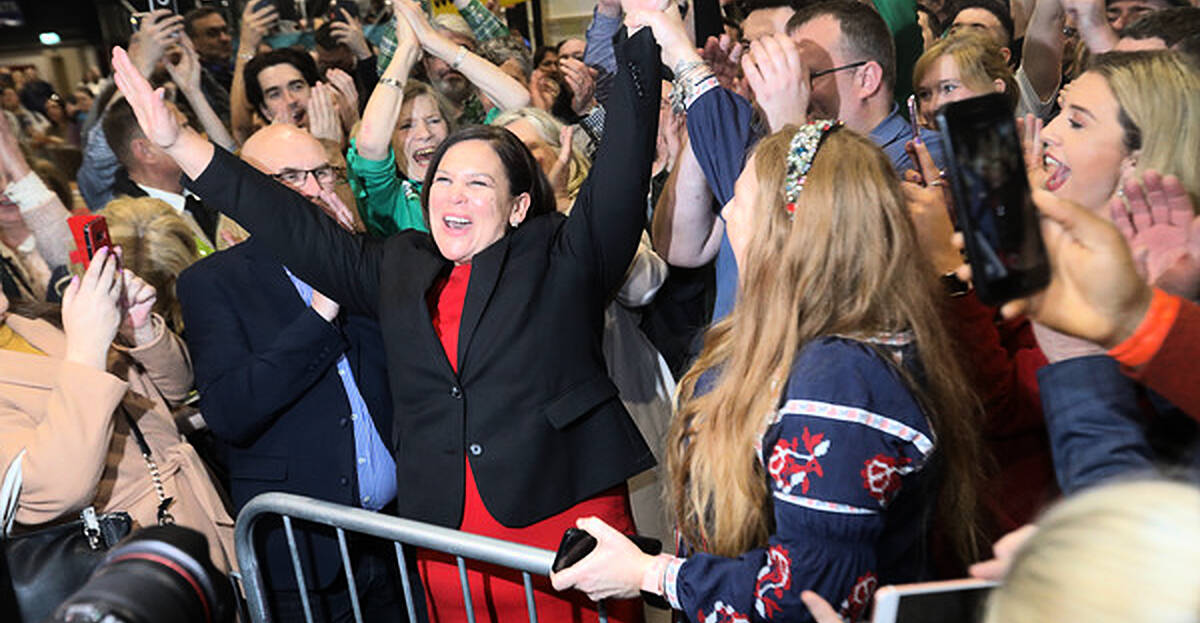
{"points": [[520, 207], [1129, 164], [998, 86]]}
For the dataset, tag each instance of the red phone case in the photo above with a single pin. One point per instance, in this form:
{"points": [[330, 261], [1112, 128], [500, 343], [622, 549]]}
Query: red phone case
{"points": [[90, 232]]}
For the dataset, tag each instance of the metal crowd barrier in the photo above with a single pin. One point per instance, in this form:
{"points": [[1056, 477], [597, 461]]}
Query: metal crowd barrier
{"points": [[462, 545]]}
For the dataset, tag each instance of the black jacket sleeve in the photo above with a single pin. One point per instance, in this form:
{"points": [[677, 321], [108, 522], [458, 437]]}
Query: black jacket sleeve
{"points": [[610, 212], [242, 390], [340, 265]]}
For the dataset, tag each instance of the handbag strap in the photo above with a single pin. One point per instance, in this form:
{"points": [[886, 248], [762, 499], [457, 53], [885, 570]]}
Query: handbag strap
{"points": [[164, 518], [10, 491]]}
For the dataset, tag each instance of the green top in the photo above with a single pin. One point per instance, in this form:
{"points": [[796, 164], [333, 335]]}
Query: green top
{"points": [[901, 18], [387, 203]]}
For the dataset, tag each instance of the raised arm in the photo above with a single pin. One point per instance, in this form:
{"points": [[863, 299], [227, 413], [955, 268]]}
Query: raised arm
{"points": [[1042, 52], [609, 213], [374, 137], [335, 262], [254, 25], [499, 87], [186, 74]]}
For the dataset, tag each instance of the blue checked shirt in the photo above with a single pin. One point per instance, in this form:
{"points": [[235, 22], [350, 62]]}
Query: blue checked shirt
{"points": [[376, 468]]}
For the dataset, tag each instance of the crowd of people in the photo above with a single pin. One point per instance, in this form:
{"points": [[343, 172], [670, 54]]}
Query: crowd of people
{"points": [[709, 291]]}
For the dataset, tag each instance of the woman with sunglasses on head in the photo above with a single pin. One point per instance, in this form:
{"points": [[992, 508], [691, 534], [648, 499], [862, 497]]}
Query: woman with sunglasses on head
{"points": [[507, 422], [821, 421]]}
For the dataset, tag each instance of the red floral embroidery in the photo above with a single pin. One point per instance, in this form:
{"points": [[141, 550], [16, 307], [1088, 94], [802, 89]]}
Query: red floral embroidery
{"points": [[773, 580], [789, 466], [856, 603], [881, 476]]}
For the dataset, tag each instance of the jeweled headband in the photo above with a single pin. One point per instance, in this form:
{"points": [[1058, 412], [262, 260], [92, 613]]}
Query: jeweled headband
{"points": [[805, 143]]}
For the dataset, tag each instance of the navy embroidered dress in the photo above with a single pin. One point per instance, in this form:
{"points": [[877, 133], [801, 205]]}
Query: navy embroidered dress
{"points": [[846, 457]]}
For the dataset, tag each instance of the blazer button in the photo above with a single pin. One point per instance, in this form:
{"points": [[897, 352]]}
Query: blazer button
{"points": [[475, 449], [344, 422], [455, 391], [343, 481]]}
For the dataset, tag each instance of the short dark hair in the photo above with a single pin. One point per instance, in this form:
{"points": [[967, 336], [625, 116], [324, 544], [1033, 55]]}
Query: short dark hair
{"points": [[197, 13], [120, 129], [282, 56], [864, 33], [750, 6], [1170, 25], [996, 8], [541, 53], [524, 173], [324, 36], [1189, 49]]}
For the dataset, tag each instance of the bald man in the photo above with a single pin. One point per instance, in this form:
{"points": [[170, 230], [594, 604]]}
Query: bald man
{"points": [[297, 393]]}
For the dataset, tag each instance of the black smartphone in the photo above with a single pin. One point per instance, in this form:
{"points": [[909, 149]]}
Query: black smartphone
{"points": [[170, 5], [576, 544], [285, 8], [992, 198]]}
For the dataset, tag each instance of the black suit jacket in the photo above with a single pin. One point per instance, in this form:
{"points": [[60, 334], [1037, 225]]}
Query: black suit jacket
{"points": [[206, 217], [531, 406], [266, 367]]}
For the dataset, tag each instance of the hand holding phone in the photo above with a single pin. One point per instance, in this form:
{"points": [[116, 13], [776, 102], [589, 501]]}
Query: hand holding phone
{"points": [[996, 214]]}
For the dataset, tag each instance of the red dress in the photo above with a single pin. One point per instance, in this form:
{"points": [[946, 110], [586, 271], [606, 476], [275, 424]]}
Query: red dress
{"points": [[497, 593]]}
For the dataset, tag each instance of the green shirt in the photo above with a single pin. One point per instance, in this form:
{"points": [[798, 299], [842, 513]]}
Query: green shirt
{"points": [[387, 203]]}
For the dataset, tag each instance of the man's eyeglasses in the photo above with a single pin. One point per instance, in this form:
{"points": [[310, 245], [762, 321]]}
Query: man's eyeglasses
{"points": [[326, 175], [817, 74]]}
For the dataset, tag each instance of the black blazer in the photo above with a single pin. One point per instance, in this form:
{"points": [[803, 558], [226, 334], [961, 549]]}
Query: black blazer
{"points": [[531, 406], [266, 367]]}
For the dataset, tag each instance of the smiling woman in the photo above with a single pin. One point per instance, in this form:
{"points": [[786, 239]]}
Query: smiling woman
{"points": [[507, 422]]}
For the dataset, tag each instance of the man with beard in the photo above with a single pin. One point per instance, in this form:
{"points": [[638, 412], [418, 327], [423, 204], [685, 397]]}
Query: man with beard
{"points": [[449, 81], [297, 392]]}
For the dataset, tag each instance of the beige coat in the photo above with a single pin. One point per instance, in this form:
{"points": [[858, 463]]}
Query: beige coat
{"points": [[79, 449]]}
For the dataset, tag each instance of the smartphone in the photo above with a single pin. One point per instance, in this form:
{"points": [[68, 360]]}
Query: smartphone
{"points": [[90, 232], [286, 9], [170, 5], [576, 544], [992, 198], [953, 601], [913, 120], [335, 15]]}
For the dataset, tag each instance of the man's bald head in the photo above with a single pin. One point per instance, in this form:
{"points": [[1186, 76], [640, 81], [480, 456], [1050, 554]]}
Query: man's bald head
{"points": [[281, 146]]}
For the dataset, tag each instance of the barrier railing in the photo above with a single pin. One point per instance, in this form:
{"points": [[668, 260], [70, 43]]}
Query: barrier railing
{"points": [[528, 560]]}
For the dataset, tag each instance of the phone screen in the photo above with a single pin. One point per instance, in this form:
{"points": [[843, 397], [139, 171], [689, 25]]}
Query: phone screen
{"points": [[992, 198], [957, 606]]}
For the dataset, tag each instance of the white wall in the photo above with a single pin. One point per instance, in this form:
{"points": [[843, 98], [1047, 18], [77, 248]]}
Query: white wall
{"points": [[565, 18]]}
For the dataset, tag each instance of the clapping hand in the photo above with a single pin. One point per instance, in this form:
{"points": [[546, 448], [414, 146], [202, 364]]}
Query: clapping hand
{"points": [[346, 96], [1163, 230], [136, 327], [582, 80]]}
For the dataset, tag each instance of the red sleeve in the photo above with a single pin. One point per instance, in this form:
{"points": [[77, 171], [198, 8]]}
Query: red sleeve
{"points": [[1174, 324], [1005, 377]]}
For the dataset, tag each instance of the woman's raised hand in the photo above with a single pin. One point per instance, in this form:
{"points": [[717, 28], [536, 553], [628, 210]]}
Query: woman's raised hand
{"points": [[137, 329], [412, 13], [1161, 227], [91, 311], [158, 122], [668, 28]]}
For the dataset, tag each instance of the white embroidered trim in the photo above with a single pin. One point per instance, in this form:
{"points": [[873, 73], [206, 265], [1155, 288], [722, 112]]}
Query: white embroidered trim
{"points": [[843, 413]]}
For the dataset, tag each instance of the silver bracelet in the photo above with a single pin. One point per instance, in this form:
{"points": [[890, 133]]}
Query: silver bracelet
{"points": [[29, 192], [458, 58], [392, 82]]}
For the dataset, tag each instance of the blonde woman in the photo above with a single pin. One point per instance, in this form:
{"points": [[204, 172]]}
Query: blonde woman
{"points": [[819, 416], [544, 136], [961, 66], [158, 245], [1121, 553]]}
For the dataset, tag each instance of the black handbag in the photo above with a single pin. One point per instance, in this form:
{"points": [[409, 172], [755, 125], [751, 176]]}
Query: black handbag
{"points": [[45, 566]]}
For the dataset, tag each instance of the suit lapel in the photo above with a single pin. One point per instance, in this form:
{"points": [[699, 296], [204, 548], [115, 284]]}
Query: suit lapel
{"points": [[485, 274], [274, 281]]}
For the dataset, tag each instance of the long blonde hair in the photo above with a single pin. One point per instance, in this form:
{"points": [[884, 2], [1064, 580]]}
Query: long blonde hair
{"points": [[1159, 95], [157, 245], [849, 263], [1114, 554]]}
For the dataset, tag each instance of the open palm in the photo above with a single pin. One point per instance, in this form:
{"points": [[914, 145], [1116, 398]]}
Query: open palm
{"points": [[157, 121]]}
